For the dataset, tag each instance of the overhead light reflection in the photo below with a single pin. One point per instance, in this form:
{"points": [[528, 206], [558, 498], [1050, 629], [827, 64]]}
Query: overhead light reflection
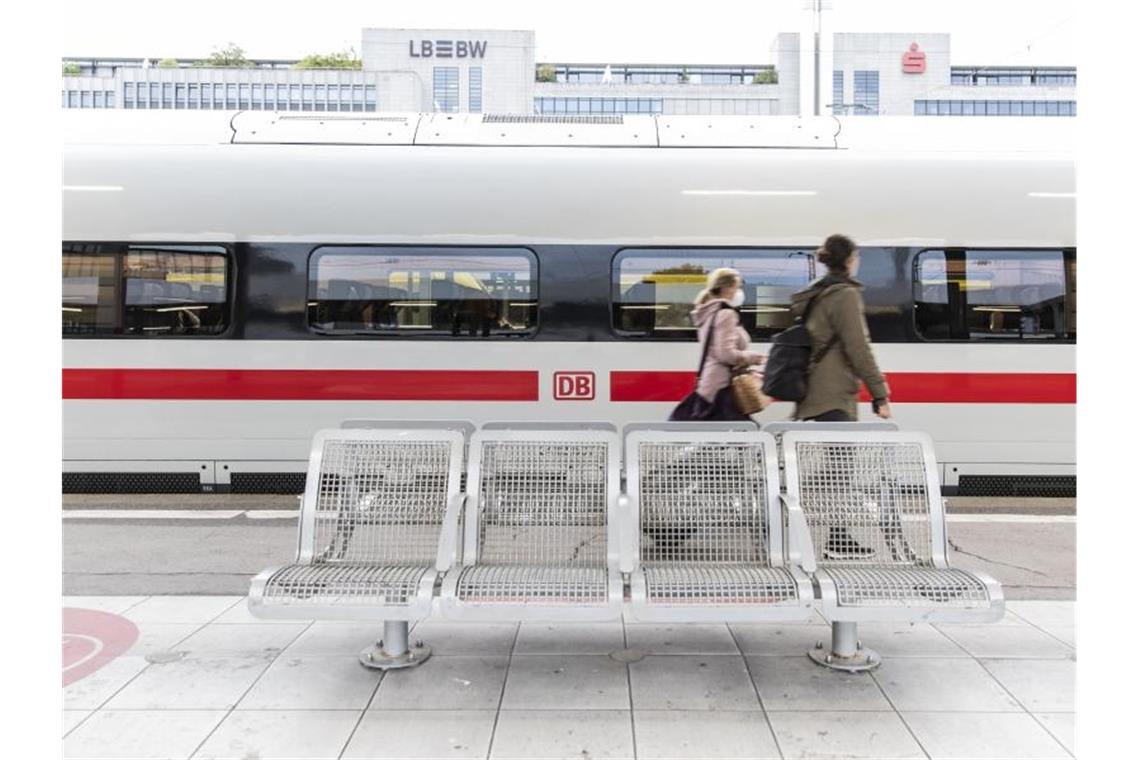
{"points": [[750, 192]]}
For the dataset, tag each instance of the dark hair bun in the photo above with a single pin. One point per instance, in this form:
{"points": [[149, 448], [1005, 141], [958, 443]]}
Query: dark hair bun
{"points": [[835, 251]]}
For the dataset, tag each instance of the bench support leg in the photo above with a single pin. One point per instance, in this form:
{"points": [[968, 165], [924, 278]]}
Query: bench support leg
{"points": [[392, 651], [847, 653]]}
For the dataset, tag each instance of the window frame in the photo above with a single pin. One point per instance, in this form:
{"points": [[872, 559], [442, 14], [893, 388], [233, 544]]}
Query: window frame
{"points": [[686, 336], [230, 302], [402, 249], [1068, 253]]}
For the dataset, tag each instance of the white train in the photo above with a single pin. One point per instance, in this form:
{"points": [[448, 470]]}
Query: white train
{"points": [[233, 282]]}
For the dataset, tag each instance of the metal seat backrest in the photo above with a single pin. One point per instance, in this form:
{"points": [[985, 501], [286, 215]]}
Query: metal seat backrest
{"points": [[704, 497], [542, 497], [869, 498], [379, 495]]}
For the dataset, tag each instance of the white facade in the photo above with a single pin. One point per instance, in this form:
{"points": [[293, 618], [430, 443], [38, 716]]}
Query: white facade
{"points": [[496, 71]]}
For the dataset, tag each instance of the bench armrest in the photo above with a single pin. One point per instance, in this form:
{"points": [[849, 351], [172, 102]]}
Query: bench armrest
{"points": [[800, 548], [627, 525], [449, 537]]}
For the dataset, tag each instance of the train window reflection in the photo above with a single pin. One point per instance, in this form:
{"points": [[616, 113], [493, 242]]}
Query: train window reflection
{"points": [[654, 289], [995, 295], [473, 293], [147, 291]]}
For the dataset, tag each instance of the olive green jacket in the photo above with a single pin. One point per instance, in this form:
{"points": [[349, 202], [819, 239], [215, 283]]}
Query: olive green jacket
{"points": [[833, 382]]}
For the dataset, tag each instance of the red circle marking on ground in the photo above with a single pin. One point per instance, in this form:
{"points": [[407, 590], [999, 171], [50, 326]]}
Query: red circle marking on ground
{"points": [[91, 639]]}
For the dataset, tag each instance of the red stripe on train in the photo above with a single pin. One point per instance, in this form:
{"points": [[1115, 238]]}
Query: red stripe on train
{"points": [[913, 387], [301, 384]]}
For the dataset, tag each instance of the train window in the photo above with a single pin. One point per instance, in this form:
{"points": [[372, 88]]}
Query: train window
{"points": [[654, 289], [995, 295], [458, 292], [144, 290]]}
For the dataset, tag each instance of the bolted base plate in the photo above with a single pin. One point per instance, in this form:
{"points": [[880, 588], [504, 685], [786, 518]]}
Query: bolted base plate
{"points": [[863, 659], [375, 657]]}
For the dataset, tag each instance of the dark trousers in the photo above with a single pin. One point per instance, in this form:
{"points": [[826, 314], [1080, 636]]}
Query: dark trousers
{"points": [[833, 415]]}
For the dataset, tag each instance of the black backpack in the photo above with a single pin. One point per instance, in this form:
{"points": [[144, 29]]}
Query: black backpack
{"points": [[789, 362]]}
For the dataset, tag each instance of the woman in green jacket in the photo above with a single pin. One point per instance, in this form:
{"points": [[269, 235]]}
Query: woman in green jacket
{"points": [[841, 346]]}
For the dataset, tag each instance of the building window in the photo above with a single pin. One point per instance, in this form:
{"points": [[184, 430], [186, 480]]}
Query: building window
{"points": [[244, 98], [369, 97], [475, 89], [445, 89], [128, 94], [995, 295], [99, 96], [458, 292], [192, 95], [866, 93], [147, 291], [345, 97], [654, 289], [837, 92], [168, 94], [155, 100], [358, 97]]}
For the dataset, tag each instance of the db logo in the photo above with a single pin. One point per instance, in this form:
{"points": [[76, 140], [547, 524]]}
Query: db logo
{"points": [[573, 386]]}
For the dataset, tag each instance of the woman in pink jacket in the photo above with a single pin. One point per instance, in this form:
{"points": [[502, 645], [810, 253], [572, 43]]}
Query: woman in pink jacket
{"points": [[715, 314]]}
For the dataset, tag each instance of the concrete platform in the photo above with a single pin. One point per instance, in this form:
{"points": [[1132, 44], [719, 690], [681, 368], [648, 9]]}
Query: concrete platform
{"points": [[199, 677]]}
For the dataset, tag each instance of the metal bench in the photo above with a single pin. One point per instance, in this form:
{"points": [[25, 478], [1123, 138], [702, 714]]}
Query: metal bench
{"points": [[705, 541], [868, 508], [368, 547], [540, 534]]}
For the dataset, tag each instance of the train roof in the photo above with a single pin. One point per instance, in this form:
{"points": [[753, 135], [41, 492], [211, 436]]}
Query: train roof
{"points": [[894, 133]]}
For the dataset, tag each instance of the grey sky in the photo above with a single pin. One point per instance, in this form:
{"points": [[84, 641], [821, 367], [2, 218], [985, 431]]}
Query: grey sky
{"points": [[709, 31]]}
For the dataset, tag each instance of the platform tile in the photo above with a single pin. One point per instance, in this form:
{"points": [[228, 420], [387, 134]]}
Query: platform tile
{"points": [[93, 690], [797, 683], [543, 734], [280, 735], [681, 638], [448, 637], [983, 735], [444, 683], [113, 604], [191, 683], [1007, 641], [245, 639], [129, 734], [429, 734], [1063, 727], [569, 638], [703, 735], [566, 682], [820, 735], [1040, 685], [914, 684], [318, 682], [692, 682], [181, 609]]}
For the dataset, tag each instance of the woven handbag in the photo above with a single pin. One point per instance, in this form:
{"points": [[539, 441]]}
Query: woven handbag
{"points": [[747, 393]]}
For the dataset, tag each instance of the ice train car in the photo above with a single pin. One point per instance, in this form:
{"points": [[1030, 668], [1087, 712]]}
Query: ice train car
{"points": [[233, 282]]}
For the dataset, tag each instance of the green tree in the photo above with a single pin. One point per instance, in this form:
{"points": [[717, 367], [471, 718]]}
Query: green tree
{"points": [[231, 56], [545, 73], [168, 63], [343, 60], [765, 76], [70, 69]]}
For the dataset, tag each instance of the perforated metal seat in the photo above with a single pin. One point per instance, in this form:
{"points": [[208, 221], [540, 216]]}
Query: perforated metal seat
{"points": [[872, 515], [371, 518], [539, 536], [705, 541], [491, 584], [345, 584]]}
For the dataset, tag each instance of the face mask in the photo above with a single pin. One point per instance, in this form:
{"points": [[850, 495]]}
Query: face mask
{"points": [[737, 299]]}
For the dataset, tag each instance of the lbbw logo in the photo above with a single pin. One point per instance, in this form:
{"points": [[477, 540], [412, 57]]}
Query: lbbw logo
{"points": [[573, 386]]}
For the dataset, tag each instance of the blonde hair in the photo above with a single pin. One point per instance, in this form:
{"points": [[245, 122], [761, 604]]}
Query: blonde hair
{"points": [[720, 278]]}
